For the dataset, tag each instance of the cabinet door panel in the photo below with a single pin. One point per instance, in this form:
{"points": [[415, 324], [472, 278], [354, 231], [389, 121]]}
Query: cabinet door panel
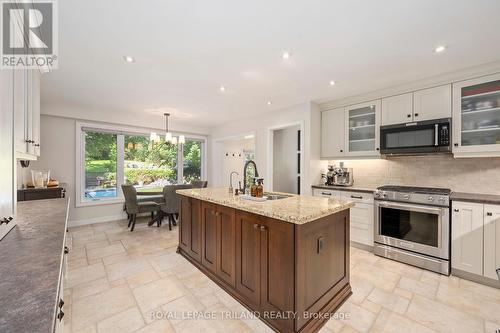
{"points": [[432, 103], [332, 133], [209, 236], [362, 123], [491, 241], [6, 146], [277, 262], [185, 224], [467, 237], [397, 109], [20, 111], [195, 230], [35, 111], [226, 233], [248, 266]]}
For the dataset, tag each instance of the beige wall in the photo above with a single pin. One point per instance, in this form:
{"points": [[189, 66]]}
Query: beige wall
{"points": [[475, 175]]}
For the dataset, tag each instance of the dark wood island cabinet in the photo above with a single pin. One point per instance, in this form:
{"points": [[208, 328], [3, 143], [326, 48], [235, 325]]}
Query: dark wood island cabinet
{"points": [[295, 275]]}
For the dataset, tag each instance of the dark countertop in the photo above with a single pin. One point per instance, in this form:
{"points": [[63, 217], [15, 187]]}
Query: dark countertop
{"points": [[344, 188], [476, 197], [31, 264]]}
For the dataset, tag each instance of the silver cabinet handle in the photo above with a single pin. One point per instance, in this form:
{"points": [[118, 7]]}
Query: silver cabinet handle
{"points": [[356, 197], [326, 193], [436, 129]]}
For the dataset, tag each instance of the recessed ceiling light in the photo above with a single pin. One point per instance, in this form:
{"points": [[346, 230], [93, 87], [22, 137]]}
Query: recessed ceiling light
{"points": [[250, 136], [332, 83], [269, 103], [440, 49], [286, 55], [129, 59], [222, 88]]}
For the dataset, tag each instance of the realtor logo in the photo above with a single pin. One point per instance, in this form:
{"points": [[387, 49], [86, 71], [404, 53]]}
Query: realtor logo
{"points": [[29, 34]]}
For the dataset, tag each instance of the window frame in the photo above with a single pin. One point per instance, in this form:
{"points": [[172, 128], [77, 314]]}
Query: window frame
{"points": [[121, 131]]}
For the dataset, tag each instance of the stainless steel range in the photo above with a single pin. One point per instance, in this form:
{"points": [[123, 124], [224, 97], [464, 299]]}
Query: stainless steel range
{"points": [[412, 225]]}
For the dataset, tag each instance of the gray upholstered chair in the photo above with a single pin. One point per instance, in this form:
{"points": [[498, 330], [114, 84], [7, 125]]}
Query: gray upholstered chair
{"points": [[134, 207], [172, 202], [199, 183]]}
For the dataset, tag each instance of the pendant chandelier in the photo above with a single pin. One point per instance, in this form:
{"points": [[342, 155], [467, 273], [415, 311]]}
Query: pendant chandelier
{"points": [[169, 138]]}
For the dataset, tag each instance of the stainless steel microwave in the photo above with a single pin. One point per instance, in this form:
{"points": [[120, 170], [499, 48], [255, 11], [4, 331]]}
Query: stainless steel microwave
{"points": [[422, 137]]}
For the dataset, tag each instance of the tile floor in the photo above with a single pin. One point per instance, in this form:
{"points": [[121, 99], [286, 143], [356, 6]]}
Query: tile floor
{"points": [[121, 281]]}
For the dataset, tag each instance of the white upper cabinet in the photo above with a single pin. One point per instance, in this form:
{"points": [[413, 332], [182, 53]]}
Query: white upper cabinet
{"points": [[397, 109], [476, 117], [362, 122], [432, 103], [27, 113], [467, 237], [492, 241], [332, 133]]}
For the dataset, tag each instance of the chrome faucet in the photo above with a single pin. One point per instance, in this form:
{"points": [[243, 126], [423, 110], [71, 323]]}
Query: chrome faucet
{"points": [[231, 181]]}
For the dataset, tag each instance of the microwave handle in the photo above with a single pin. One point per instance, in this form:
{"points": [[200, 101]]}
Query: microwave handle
{"points": [[436, 136]]}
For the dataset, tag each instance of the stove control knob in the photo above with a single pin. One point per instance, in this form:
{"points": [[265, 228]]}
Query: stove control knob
{"points": [[406, 197], [430, 198]]}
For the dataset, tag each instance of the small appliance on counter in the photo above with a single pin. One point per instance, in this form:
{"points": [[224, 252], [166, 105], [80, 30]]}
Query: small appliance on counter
{"points": [[339, 176]]}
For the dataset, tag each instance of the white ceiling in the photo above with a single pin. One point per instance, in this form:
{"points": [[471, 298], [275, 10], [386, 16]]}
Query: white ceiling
{"points": [[185, 50]]}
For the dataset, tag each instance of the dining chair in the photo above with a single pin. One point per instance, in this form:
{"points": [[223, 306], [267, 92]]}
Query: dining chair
{"points": [[134, 207], [199, 183], [172, 201]]}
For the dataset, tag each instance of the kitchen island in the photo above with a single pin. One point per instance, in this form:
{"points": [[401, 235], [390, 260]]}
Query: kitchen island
{"points": [[286, 259]]}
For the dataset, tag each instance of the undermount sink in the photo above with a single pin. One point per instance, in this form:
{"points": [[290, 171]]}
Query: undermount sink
{"points": [[272, 196]]}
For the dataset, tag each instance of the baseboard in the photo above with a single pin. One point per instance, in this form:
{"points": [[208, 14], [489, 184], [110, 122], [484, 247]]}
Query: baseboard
{"points": [[362, 246], [475, 278], [77, 223]]}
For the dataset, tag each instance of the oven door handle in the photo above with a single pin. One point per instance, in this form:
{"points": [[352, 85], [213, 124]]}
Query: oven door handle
{"points": [[417, 208]]}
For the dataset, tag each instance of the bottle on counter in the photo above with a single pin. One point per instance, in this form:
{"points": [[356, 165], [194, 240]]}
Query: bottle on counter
{"points": [[253, 189], [260, 188]]}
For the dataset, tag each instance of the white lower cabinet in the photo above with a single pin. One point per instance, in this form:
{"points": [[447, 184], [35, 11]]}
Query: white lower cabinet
{"points": [[491, 241], [361, 215], [467, 237], [475, 242]]}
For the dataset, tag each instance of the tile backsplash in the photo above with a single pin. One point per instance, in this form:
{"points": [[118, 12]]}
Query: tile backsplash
{"points": [[475, 175]]}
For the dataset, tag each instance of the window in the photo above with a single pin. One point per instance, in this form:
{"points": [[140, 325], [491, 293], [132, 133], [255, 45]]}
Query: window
{"points": [[149, 165], [192, 160], [100, 165], [109, 157]]}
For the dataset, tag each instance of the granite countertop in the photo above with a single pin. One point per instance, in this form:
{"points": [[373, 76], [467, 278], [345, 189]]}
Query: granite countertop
{"points": [[345, 188], [31, 265], [297, 209], [476, 197]]}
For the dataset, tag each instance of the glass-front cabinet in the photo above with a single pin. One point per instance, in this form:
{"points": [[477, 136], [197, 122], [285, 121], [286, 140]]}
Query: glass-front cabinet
{"points": [[476, 117], [362, 122]]}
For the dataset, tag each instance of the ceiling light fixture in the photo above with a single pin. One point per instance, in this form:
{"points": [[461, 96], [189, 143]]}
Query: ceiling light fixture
{"points": [[250, 136], [332, 83], [440, 49], [169, 138], [222, 88], [286, 55], [269, 103], [129, 59]]}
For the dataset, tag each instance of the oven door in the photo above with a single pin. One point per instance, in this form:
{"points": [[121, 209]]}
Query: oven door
{"points": [[412, 227], [416, 138]]}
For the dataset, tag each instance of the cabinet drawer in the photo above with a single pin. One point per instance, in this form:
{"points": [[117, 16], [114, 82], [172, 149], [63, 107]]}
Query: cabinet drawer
{"points": [[358, 197], [318, 192]]}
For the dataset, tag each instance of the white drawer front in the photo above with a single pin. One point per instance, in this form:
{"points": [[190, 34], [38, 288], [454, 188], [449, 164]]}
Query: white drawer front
{"points": [[358, 197], [318, 192], [361, 220]]}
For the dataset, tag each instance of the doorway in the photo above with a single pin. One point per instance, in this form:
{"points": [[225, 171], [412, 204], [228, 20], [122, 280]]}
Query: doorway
{"points": [[287, 158]]}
